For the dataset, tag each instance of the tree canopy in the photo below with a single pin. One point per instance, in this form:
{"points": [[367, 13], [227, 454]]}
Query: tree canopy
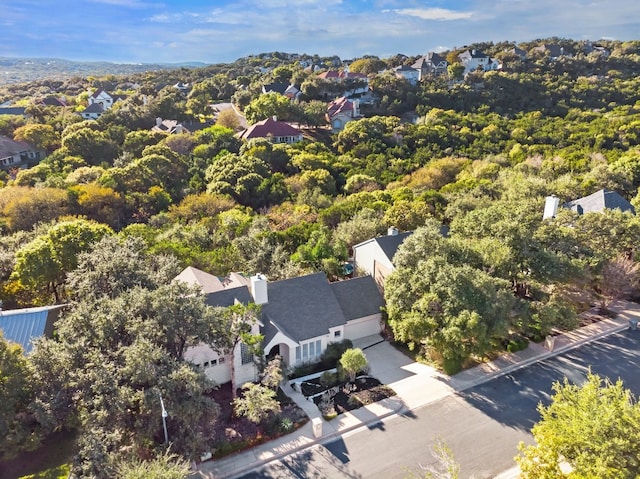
{"points": [[588, 430]]}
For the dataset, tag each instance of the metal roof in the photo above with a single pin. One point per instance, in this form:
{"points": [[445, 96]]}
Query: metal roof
{"points": [[22, 326]]}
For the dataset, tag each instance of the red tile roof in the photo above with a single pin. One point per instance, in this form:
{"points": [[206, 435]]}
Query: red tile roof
{"points": [[269, 127], [338, 106]]}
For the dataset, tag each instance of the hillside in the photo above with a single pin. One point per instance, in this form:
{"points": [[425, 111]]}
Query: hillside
{"points": [[19, 70]]}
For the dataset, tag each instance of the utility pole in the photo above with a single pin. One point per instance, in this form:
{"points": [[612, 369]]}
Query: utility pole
{"points": [[164, 419]]}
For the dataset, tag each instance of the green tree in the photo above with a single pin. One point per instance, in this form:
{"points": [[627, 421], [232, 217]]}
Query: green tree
{"points": [[440, 304], [40, 136], [23, 207], [18, 429], [44, 262], [117, 355], [95, 147], [256, 403], [270, 105], [590, 430], [352, 361], [165, 466]]}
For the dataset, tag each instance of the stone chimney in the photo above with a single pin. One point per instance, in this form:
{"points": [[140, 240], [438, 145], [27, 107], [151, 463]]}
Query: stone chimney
{"points": [[550, 207], [259, 289], [392, 231]]}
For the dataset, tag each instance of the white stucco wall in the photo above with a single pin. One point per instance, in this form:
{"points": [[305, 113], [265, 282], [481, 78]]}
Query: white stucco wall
{"points": [[363, 327], [366, 254]]}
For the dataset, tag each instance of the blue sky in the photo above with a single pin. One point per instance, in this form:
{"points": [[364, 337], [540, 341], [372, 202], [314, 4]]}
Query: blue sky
{"points": [[151, 31]]}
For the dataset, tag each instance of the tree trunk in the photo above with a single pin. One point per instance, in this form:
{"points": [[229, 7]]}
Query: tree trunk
{"points": [[232, 365]]}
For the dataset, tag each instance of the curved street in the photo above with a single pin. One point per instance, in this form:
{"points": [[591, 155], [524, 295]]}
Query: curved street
{"points": [[482, 425]]}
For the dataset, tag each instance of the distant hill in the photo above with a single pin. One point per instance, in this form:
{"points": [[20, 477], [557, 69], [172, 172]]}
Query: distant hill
{"points": [[18, 70]]}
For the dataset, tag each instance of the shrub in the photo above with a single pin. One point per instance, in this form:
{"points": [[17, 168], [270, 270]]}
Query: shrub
{"points": [[451, 366], [354, 401], [286, 424], [334, 352], [329, 379], [302, 370], [517, 344]]}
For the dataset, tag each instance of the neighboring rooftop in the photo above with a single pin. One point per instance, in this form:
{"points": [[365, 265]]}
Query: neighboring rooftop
{"points": [[390, 243], [22, 326], [599, 201], [9, 147], [269, 128], [207, 282]]}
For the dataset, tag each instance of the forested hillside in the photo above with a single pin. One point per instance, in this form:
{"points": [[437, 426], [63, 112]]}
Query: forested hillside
{"points": [[477, 154]]}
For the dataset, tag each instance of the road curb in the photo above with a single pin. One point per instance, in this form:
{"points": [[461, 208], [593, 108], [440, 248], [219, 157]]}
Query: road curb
{"points": [[402, 408], [314, 442], [528, 362]]}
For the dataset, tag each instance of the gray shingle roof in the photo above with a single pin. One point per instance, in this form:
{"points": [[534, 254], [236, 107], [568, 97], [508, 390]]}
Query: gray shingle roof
{"points": [[9, 147], [229, 297], [277, 87], [599, 201], [94, 108], [302, 308], [358, 297], [390, 243], [22, 326], [12, 110]]}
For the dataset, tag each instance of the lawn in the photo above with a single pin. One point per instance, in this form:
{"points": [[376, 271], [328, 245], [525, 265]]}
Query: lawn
{"points": [[48, 462]]}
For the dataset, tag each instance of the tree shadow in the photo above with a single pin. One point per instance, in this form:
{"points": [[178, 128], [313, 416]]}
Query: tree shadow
{"points": [[512, 399], [330, 460]]}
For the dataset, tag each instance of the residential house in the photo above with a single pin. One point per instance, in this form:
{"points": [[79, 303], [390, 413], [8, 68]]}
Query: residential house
{"points": [[356, 84], [476, 60], [292, 92], [594, 203], [18, 154], [183, 87], [431, 65], [554, 50], [92, 112], [99, 102], [274, 130], [101, 97], [52, 101], [375, 256], [13, 111], [593, 49], [342, 111], [23, 326], [299, 317], [174, 127], [410, 74], [519, 52]]}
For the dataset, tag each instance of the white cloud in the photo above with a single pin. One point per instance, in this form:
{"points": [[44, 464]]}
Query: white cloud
{"points": [[129, 3], [438, 14]]}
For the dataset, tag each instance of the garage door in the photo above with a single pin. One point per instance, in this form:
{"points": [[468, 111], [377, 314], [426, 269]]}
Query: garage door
{"points": [[361, 328]]}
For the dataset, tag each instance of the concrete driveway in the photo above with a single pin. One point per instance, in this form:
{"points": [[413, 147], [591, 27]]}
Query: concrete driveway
{"points": [[416, 384]]}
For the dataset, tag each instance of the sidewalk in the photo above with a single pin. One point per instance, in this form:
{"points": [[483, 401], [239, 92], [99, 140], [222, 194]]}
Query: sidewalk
{"points": [[416, 385]]}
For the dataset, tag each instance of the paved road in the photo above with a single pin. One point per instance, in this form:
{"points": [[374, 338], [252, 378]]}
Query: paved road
{"points": [[482, 426]]}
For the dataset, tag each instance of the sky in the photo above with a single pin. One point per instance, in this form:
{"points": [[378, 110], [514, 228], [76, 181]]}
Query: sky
{"points": [[216, 31]]}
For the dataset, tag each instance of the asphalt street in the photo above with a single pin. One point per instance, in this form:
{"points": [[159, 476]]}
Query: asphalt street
{"points": [[482, 426]]}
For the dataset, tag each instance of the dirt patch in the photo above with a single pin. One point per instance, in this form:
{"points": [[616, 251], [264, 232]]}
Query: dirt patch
{"points": [[232, 433], [352, 395]]}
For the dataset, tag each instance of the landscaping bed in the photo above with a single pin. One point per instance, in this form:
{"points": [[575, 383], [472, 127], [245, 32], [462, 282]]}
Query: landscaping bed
{"points": [[351, 395], [232, 433]]}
